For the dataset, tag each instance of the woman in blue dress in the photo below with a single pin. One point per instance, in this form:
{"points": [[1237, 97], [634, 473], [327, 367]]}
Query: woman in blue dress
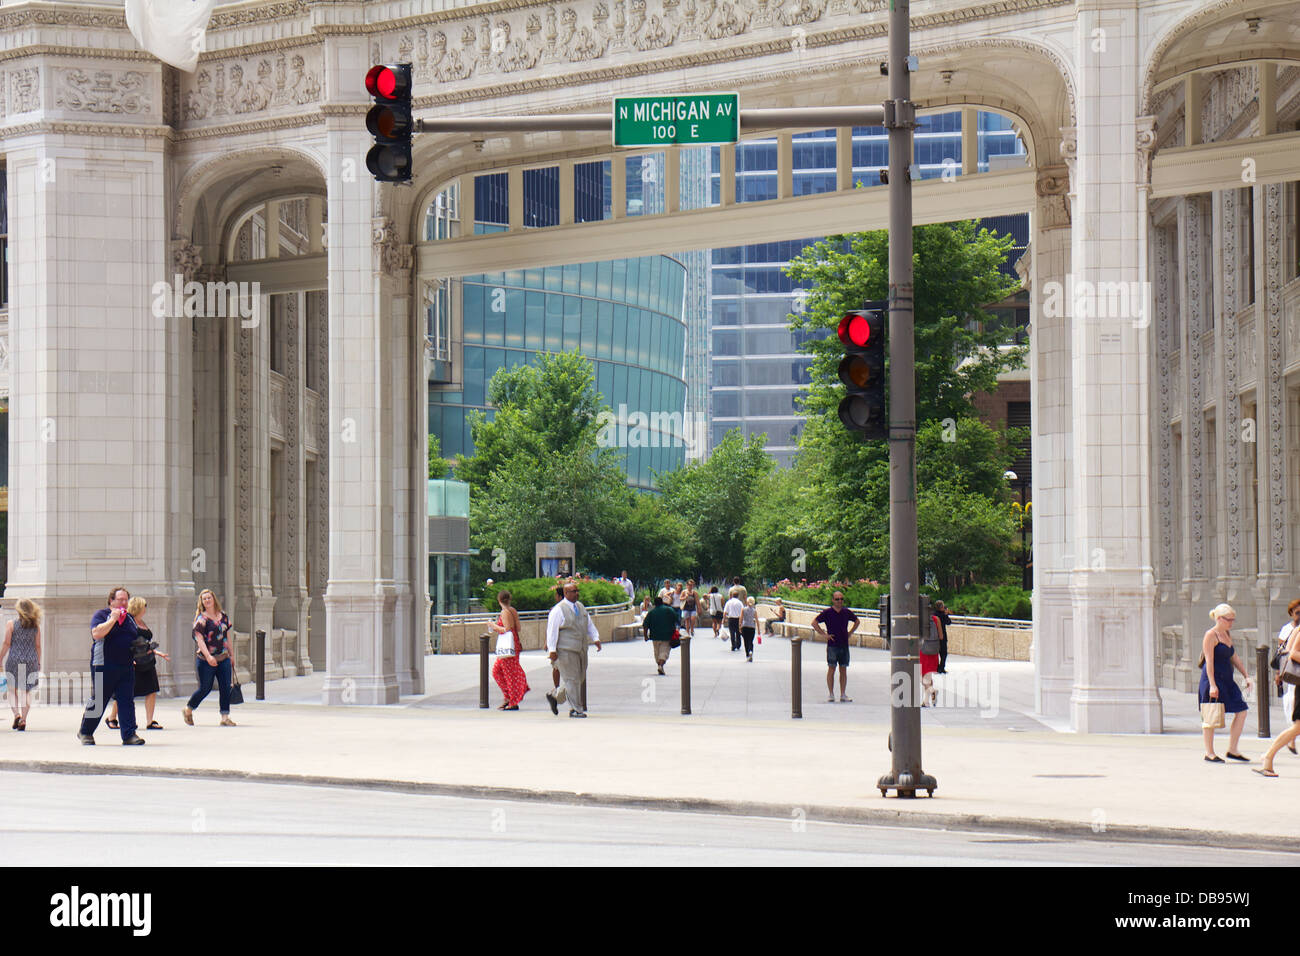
{"points": [[1217, 686]]}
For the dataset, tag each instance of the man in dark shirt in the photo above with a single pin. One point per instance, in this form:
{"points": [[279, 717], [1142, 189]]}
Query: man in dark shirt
{"points": [[840, 623], [658, 624], [112, 669], [941, 612]]}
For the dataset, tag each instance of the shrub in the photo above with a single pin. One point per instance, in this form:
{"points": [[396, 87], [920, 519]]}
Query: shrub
{"points": [[1006, 601], [860, 594], [538, 594]]}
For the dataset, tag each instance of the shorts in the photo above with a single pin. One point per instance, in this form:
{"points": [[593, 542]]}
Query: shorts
{"points": [[837, 654], [718, 617]]}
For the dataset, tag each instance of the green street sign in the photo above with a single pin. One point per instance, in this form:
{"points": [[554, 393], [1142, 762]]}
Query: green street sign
{"points": [[687, 119]]}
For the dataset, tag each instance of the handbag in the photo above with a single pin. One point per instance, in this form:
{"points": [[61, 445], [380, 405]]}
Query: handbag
{"points": [[676, 641], [1290, 672], [236, 693], [1212, 716], [505, 644]]}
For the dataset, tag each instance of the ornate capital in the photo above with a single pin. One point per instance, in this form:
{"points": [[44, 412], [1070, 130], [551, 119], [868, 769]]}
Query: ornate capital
{"points": [[1070, 147], [1146, 145], [1053, 188], [186, 259], [392, 256]]}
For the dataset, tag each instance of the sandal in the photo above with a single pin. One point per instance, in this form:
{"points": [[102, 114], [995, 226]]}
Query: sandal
{"points": [[154, 725], [1264, 773], [112, 724]]}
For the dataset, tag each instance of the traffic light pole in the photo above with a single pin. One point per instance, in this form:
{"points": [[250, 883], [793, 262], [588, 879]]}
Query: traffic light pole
{"points": [[905, 776]]}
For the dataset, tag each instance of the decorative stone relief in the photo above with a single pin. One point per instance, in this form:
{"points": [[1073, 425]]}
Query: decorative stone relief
{"points": [[1160, 241], [1276, 394], [292, 441], [1146, 144], [24, 90], [1193, 417], [1226, 97], [1292, 331], [1070, 151], [244, 460], [1249, 355], [392, 255], [274, 81], [103, 91], [1053, 187], [1235, 370]]}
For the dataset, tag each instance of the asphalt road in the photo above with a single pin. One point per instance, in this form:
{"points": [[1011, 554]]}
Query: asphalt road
{"points": [[66, 820]]}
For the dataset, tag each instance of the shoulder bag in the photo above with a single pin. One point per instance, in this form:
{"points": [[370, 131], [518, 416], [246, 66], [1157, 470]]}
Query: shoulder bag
{"points": [[1212, 716], [505, 644]]}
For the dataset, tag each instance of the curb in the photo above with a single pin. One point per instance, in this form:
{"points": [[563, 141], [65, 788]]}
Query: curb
{"points": [[1058, 829]]}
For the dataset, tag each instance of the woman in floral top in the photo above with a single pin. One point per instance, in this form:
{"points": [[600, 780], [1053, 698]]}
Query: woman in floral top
{"points": [[215, 657]]}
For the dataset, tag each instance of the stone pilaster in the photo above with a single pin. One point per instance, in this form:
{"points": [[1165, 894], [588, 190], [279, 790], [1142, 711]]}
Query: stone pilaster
{"points": [[1114, 621], [1050, 394]]}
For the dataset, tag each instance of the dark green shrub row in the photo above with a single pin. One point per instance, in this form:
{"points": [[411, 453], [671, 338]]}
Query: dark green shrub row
{"points": [[538, 594]]}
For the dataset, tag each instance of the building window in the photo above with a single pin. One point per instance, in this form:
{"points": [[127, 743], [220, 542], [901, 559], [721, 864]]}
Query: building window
{"points": [[1247, 247], [4, 239], [1290, 224]]}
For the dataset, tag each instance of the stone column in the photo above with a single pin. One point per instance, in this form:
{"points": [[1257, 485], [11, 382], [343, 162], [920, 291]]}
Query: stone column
{"points": [[1276, 581], [360, 599], [318, 541], [1114, 621], [97, 428], [1051, 397]]}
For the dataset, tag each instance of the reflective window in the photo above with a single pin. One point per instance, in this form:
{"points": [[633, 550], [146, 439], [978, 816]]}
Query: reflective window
{"points": [[592, 191], [604, 329], [535, 310]]}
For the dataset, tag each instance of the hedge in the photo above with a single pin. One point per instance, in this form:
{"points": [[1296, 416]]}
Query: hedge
{"points": [[538, 594]]}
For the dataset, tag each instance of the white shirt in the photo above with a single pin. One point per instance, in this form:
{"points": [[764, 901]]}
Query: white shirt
{"points": [[715, 602], [626, 585], [733, 608], [556, 618]]}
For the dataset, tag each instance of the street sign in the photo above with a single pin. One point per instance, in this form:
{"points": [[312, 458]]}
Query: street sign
{"points": [[687, 119]]}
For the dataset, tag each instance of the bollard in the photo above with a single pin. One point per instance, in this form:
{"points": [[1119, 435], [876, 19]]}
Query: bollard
{"points": [[1263, 688], [796, 678], [686, 673], [261, 665], [483, 672]]}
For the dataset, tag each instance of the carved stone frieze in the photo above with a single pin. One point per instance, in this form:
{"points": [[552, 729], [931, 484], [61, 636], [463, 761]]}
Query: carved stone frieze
{"points": [[1235, 370], [1193, 416], [1053, 187], [253, 84], [186, 259], [1226, 97], [1146, 145], [24, 87], [102, 91], [1165, 325]]}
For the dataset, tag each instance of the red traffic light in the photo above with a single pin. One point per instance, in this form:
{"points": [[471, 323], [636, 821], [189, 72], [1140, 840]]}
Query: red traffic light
{"points": [[859, 330], [388, 82]]}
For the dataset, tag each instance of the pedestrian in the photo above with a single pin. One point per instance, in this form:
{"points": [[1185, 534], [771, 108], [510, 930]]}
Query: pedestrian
{"points": [[658, 627], [733, 610], [507, 671], [568, 629], [666, 592], [740, 589], [945, 621], [1218, 658], [1287, 737], [840, 623], [145, 654], [555, 671], [778, 617], [112, 669], [930, 662], [21, 653], [214, 657], [715, 610], [748, 627], [628, 587], [690, 608], [1287, 691]]}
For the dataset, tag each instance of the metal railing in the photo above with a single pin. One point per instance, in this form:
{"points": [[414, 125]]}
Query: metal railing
{"points": [[873, 614]]}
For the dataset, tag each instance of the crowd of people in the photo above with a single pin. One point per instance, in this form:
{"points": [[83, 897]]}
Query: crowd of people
{"points": [[123, 664]]}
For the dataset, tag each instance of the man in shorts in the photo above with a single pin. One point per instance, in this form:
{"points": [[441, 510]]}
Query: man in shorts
{"points": [[840, 623]]}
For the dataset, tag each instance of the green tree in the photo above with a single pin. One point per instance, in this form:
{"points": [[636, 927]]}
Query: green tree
{"points": [[779, 541], [437, 466], [844, 502], [714, 498]]}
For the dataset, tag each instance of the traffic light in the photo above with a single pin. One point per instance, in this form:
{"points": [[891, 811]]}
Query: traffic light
{"points": [[862, 370], [390, 122], [886, 626]]}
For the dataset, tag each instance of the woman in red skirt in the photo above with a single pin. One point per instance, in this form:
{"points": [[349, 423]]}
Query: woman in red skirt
{"points": [[507, 671], [929, 666]]}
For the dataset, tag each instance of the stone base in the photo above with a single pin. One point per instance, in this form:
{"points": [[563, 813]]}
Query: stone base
{"points": [[1114, 711], [361, 690]]}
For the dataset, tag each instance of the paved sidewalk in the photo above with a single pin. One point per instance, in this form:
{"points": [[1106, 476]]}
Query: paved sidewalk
{"points": [[739, 751]]}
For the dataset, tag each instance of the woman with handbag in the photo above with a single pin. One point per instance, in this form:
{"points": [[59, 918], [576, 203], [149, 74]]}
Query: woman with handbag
{"points": [[146, 666], [1285, 691], [507, 671], [1290, 673], [1218, 693], [214, 657]]}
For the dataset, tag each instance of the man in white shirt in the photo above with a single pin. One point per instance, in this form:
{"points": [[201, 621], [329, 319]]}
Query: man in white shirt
{"points": [[732, 611], [626, 584], [666, 592], [568, 629]]}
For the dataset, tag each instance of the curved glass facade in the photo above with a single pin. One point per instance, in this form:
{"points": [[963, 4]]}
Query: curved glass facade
{"points": [[625, 315]]}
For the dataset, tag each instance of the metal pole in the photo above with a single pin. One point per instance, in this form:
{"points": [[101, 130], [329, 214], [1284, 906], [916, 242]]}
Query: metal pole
{"points": [[1262, 691], [483, 671], [686, 673], [905, 776], [796, 678], [261, 665]]}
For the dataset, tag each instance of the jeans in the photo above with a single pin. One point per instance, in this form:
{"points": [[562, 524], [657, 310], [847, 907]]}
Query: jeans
{"points": [[116, 681], [207, 673]]}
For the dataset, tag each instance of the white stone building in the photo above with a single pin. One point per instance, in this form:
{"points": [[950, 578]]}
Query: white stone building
{"points": [[282, 464]]}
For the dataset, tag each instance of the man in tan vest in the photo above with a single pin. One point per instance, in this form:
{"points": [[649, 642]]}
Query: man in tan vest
{"points": [[568, 629]]}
